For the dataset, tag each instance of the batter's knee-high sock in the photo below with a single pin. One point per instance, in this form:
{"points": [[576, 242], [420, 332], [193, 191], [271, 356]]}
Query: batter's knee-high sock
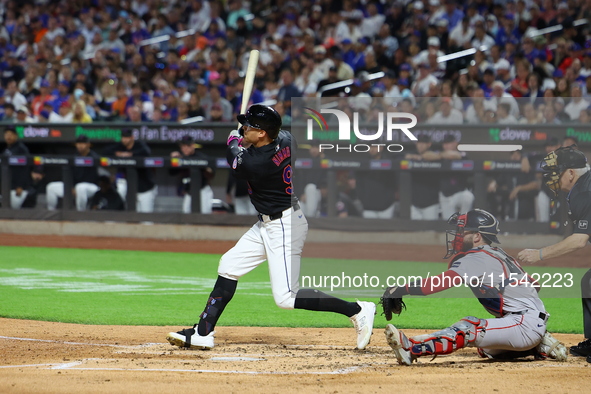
{"points": [[314, 300], [222, 293]]}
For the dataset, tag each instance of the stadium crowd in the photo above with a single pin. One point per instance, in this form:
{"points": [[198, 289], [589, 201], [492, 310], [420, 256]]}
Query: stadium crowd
{"points": [[158, 60], [447, 61]]}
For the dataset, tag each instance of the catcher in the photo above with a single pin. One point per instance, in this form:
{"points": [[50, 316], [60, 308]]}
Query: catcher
{"points": [[502, 287]]}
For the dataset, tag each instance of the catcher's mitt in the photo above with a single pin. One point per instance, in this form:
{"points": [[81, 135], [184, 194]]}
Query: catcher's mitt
{"points": [[392, 303]]}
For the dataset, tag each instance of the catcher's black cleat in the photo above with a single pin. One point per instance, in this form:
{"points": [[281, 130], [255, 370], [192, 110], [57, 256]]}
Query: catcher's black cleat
{"points": [[189, 338], [583, 349]]}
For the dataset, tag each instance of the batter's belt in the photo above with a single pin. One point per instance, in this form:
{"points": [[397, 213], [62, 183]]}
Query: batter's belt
{"points": [[278, 215]]}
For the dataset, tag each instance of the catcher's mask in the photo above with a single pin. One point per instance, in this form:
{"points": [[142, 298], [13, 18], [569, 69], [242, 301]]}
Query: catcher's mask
{"points": [[557, 162], [476, 220]]}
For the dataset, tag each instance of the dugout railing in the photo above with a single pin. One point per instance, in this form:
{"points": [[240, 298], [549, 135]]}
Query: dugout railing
{"points": [[479, 170]]}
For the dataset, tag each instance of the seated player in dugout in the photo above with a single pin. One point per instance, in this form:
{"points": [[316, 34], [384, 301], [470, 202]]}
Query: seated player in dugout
{"points": [[425, 184], [188, 150], [503, 288]]}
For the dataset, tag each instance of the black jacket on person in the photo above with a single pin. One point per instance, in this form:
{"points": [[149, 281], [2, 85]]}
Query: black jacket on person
{"points": [[87, 174], [139, 149], [185, 172], [21, 175]]}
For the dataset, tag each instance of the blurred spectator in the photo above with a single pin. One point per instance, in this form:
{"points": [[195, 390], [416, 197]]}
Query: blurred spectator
{"points": [[106, 198], [9, 115], [504, 115], [447, 114], [530, 116], [577, 103], [461, 34], [424, 80], [146, 188], [20, 175], [13, 96], [79, 114], [288, 90], [23, 115]]}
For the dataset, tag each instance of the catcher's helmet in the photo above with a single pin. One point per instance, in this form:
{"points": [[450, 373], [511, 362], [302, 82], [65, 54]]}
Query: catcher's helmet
{"points": [[477, 220], [558, 161], [263, 118]]}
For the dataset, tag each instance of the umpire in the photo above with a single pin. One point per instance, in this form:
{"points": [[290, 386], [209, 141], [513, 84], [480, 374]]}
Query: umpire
{"points": [[566, 169]]}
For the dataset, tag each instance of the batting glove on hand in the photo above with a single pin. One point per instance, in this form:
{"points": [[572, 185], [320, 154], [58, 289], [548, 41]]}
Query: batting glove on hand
{"points": [[234, 135]]}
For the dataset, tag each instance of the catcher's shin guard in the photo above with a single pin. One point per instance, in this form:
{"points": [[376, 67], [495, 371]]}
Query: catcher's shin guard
{"points": [[459, 335], [220, 296]]}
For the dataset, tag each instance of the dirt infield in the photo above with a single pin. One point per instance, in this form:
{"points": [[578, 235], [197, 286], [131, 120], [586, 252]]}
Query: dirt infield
{"points": [[57, 357]]}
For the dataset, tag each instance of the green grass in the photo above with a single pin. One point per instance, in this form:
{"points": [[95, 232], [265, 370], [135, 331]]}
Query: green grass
{"points": [[158, 288]]}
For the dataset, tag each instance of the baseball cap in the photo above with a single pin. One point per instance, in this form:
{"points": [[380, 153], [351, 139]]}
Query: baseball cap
{"points": [[570, 158], [423, 138], [186, 140], [45, 83], [322, 50], [449, 138], [126, 133], [558, 73], [346, 41], [65, 83], [65, 104], [23, 108], [418, 5], [503, 64], [433, 41], [405, 67], [551, 141], [82, 138]]}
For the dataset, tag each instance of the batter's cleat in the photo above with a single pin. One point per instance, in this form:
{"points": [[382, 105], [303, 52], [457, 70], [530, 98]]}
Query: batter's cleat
{"points": [[189, 338], [583, 349], [398, 341], [552, 348], [363, 323]]}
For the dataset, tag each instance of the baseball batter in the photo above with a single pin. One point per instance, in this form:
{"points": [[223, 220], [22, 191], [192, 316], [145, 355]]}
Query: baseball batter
{"points": [[261, 154], [85, 179], [503, 288]]}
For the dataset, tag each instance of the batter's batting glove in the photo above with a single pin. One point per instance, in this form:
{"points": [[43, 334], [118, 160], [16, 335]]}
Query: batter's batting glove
{"points": [[234, 135], [392, 302]]}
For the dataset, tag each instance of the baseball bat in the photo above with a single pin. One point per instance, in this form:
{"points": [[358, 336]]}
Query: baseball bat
{"points": [[251, 71]]}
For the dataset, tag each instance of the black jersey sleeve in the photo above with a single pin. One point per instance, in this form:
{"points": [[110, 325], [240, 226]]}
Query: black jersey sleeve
{"points": [[234, 155], [580, 207]]}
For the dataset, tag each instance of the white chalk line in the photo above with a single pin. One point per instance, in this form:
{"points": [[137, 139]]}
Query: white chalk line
{"points": [[66, 343], [316, 347]]}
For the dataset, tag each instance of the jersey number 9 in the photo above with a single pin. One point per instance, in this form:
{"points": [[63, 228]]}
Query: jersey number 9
{"points": [[287, 179]]}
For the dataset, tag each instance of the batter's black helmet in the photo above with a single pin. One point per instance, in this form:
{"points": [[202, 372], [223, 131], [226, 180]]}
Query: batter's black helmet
{"points": [[263, 118]]}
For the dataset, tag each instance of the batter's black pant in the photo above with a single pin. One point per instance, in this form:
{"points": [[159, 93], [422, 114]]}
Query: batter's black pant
{"points": [[586, 293]]}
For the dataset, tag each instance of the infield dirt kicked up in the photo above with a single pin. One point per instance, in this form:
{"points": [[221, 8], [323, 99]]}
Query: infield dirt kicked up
{"points": [[57, 357]]}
